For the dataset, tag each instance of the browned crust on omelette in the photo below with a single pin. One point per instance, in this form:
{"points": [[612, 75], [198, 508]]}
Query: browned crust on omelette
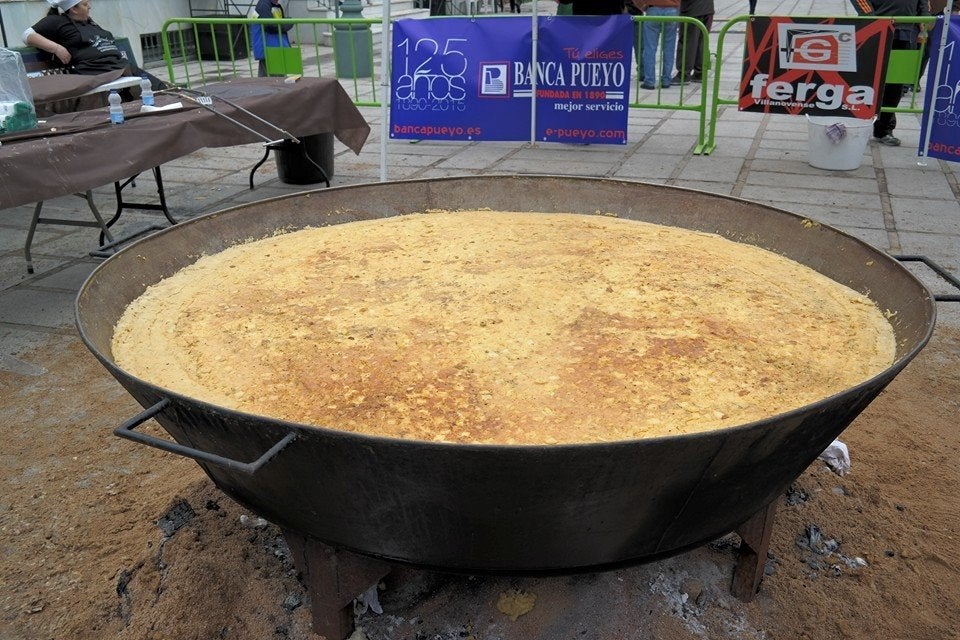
{"points": [[504, 327]]}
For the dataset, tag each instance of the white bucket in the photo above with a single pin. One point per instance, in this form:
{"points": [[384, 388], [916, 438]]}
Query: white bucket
{"points": [[839, 147]]}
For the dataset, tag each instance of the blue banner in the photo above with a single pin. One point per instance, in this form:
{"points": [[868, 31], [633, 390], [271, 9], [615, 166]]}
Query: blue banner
{"points": [[471, 79], [942, 97], [583, 79]]}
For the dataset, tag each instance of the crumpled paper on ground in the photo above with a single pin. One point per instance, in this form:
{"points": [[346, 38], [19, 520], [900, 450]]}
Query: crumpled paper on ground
{"points": [[369, 599], [837, 457]]}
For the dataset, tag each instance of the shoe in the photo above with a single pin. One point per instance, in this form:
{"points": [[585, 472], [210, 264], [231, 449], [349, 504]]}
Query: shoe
{"points": [[697, 77], [889, 140], [647, 86], [679, 79], [665, 84]]}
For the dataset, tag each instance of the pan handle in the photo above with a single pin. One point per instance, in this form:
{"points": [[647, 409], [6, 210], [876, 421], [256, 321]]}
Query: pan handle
{"points": [[940, 271], [126, 430]]}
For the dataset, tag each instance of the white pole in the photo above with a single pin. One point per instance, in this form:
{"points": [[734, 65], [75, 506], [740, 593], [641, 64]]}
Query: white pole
{"points": [[385, 39], [533, 72], [932, 80]]}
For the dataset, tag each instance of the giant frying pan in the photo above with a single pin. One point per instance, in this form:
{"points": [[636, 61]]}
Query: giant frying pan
{"points": [[522, 509]]}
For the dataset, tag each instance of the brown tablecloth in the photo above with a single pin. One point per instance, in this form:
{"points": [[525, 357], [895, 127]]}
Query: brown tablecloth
{"points": [[74, 152], [59, 86]]}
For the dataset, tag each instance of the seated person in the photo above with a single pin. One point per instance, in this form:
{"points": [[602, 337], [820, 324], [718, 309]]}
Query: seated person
{"points": [[83, 47], [69, 34]]}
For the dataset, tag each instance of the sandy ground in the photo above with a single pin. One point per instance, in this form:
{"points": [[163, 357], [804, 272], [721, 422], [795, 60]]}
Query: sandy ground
{"points": [[102, 538]]}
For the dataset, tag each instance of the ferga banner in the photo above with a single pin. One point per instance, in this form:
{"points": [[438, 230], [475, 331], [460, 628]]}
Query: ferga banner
{"points": [[471, 79], [820, 67], [942, 95]]}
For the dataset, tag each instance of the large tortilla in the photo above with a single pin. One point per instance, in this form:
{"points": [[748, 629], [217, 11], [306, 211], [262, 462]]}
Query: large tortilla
{"points": [[497, 327]]}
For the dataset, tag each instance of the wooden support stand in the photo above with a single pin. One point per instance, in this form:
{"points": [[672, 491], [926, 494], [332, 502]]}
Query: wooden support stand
{"points": [[752, 558], [334, 578]]}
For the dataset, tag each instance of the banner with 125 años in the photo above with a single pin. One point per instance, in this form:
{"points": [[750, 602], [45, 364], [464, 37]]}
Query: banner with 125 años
{"points": [[942, 95], [471, 79]]}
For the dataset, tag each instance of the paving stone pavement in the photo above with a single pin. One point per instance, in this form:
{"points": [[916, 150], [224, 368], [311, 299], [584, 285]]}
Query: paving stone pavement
{"points": [[889, 201]]}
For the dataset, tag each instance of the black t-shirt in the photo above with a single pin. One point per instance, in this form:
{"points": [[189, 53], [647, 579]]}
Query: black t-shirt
{"points": [[92, 49]]}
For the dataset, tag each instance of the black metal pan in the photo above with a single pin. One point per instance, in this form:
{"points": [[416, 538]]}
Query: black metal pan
{"points": [[520, 509]]}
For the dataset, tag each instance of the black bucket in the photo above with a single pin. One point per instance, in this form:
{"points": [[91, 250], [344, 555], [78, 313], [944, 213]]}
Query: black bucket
{"points": [[306, 162], [221, 41]]}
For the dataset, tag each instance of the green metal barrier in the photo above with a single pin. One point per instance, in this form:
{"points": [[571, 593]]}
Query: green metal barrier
{"points": [[216, 49], [903, 68], [687, 100], [202, 50]]}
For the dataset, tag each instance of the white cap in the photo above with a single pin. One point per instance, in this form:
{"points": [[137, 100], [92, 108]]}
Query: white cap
{"points": [[63, 5]]}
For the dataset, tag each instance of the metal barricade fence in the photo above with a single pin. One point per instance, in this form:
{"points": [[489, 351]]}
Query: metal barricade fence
{"points": [[909, 65], [214, 49], [202, 50], [683, 100], [222, 48]]}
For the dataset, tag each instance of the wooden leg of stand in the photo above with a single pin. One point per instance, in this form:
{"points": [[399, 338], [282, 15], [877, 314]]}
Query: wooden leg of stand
{"points": [[755, 540], [334, 578]]}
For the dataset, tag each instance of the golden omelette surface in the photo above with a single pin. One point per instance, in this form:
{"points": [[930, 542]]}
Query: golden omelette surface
{"points": [[498, 327]]}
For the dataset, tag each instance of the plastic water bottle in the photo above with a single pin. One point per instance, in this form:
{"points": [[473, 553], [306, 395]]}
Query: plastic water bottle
{"points": [[146, 92], [116, 111]]}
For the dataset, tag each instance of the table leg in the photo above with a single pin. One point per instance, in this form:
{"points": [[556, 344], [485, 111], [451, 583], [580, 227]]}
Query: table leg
{"points": [[122, 204], [104, 228], [161, 196], [99, 223], [33, 227]]}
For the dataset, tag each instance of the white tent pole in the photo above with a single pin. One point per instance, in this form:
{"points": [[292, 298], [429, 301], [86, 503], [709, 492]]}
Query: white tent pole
{"points": [[386, 37], [533, 72], [932, 80]]}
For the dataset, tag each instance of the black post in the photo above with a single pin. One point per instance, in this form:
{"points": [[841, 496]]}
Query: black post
{"points": [[3, 30]]}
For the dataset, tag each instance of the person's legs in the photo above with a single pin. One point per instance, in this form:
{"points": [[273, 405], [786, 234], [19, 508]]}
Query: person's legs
{"points": [[885, 123], [684, 33], [924, 62], [669, 47], [696, 61], [155, 83], [651, 40], [637, 50], [689, 47]]}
